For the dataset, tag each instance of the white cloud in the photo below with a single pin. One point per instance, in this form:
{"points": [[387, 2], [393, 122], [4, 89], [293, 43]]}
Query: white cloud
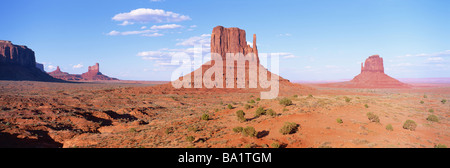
{"points": [[125, 23], [147, 33], [193, 26], [51, 68], [284, 55], [153, 35], [204, 40], [145, 15], [285, 35], [77, 66], [143, 27], [445, 53], [435, 59], [166, 26]]}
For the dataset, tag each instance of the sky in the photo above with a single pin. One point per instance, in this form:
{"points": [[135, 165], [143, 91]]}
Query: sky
{"points": [[318, 40]]}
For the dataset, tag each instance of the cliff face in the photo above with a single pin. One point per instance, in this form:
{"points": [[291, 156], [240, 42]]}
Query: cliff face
{"points": [[11, 54], [231, 40], [18, 62], [372, 75]]}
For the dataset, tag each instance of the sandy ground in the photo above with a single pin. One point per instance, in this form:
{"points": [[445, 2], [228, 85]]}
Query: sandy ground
{"points": [[139, 114]]}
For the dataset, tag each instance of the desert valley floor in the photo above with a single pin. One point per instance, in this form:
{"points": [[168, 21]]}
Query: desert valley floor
{"points": [[146, 115]]}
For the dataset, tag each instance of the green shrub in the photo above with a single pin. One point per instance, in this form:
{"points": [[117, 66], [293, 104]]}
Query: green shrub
{"points": [[310, 96], [249, 131], [190, 138], [421, 102], [229, 106], [440, 146], [431, 110], [443, 101], [289, 128], [285, 109], [286, 102], [389, 127], [372, 117], [133, 130], [248, 106], [424, 96], [238, 129], [193, 128], [433, 118], [251, 101], [410, 125], [365, 105], [295, 96], [275, 145], [169, 130], [241, 116], [347, 99], [258, 99], [271, 112], [259, 112], [205, 117], [339, 120]]}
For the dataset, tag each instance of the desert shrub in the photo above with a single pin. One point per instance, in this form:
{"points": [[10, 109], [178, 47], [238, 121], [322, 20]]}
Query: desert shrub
{"points": [[339, 120], [310, 96], [238, 129], [133, 130], [258, 99], [443, 101], [410, 125], [205, 117], [440, 146], [347, 99], [249, 131], [421, 102], [285, 109], [365, 105], [424, 96], [431, 110], [229, 106], [288, 128], [251, 101], [169, 130], [295, 96], [286, 102], [271, 112], [389, 127], [241, 116], [433, 118], [260, 111], [275, 145], [193, 128], [372, 117], [190, 138], [248, 106]]}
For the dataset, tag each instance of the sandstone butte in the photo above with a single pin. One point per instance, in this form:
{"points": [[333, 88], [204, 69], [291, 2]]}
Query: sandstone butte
{"points": [[372, 76], [233, 40], [93, 74], [18, 62]]}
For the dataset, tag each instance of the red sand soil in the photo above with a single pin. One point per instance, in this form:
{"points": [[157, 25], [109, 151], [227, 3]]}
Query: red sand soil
{"points": [[131, 115]]}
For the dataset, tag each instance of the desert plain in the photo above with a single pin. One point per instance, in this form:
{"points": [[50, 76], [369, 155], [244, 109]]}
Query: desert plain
{"points": [[155, 115]]}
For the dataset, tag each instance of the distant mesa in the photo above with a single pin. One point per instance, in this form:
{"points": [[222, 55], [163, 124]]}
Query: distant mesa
{"points": [[93, 74], [18, 62], [372, 76]]}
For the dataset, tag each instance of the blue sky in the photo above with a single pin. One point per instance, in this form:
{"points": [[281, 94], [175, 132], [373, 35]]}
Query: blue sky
{"points": [[319, 40]]}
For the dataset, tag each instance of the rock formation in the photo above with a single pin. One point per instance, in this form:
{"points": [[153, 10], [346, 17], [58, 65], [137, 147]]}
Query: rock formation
{"points": [[372, 75], [93, 74], [18, 62], [233, 40], [64, 75]]}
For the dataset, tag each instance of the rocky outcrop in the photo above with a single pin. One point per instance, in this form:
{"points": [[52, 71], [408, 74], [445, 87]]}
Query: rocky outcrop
{"points": [[64, 75], [93, 74], [372, 76], [18, 62], [232, 40], [11, 54]]}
